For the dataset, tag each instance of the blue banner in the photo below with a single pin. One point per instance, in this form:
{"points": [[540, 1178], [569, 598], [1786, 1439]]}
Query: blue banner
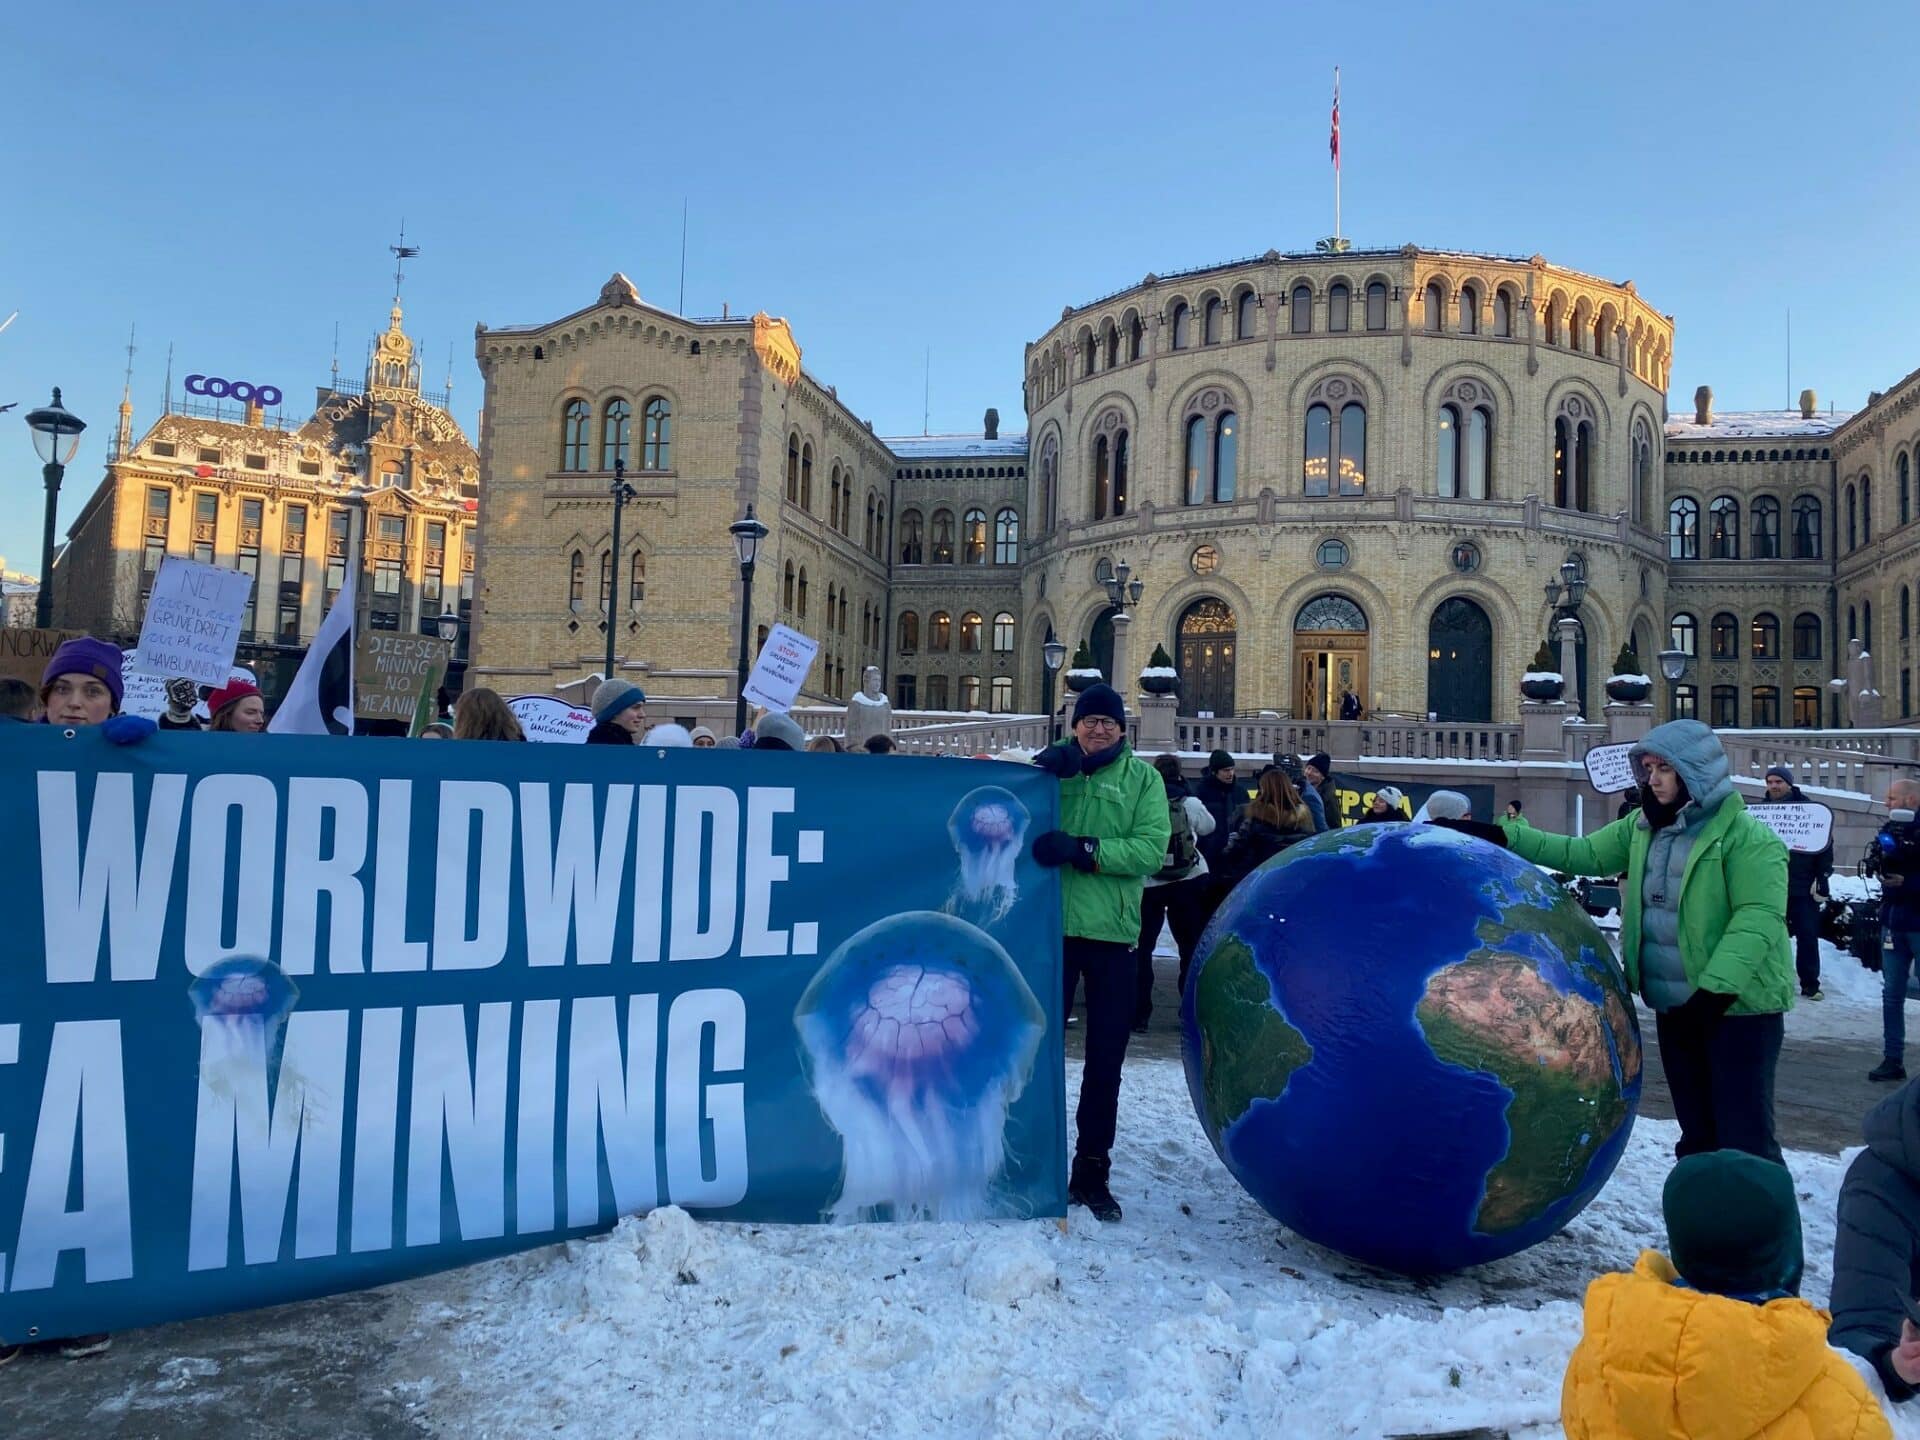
{"points": [[286, 1016]]}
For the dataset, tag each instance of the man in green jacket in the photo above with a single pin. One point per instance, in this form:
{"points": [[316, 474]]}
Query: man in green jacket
{"points": [[1703, 932], [1114, 833]]}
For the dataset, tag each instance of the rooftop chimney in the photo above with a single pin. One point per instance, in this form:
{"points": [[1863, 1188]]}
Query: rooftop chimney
{"points": [[993, 424], [1703, 405], [255, 415], [1809, 404]]}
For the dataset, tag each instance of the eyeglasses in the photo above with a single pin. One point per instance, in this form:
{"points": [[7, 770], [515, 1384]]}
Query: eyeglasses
{"points": [[1098, 723]]}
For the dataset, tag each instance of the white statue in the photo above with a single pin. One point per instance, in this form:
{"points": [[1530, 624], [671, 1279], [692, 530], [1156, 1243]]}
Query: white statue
{"points": [[870, 713]]}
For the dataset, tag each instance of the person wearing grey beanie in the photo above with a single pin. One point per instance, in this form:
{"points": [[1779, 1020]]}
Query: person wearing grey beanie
{"points": [[619, 713], [775, 731]]}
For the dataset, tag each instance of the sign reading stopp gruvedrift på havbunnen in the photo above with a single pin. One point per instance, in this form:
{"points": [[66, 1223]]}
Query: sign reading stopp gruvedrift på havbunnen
{"points": [[287, 1016]]}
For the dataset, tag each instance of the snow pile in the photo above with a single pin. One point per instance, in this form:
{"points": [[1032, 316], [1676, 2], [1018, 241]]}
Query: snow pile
{"points": [[1159, 672], [1196, 1315], [1631, 679], [1552, 676]]}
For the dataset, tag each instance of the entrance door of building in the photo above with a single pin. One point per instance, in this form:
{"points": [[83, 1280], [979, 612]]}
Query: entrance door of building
{"points": [[1326, 667], [1460, 662], [1208, 639]]}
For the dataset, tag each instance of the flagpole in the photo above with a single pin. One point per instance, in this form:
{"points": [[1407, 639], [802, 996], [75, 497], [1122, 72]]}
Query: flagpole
{"points": [[1336, 153]]}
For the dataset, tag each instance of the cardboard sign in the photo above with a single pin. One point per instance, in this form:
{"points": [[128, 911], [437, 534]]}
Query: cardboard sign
{"points": [[781, 669], [550, 719], [24, 653], [1806, 827], [394, 670], [193, 621], [147, 694], [1610, 770]]}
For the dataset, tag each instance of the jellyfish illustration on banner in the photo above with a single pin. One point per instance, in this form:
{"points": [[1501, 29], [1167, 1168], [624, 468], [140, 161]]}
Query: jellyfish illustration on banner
{"points": [[989, 830], [242, 1006], [918, 1035]]}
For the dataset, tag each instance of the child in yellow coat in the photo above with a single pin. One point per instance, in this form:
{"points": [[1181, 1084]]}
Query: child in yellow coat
{"points": [[1715, 1344]]}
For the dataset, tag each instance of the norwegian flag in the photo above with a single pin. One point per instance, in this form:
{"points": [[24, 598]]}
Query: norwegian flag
{"points": [[1333, 140]]}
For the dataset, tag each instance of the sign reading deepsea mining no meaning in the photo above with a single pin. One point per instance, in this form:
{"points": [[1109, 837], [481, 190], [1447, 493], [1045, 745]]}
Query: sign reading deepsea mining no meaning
{"points": [[291, 1016]]}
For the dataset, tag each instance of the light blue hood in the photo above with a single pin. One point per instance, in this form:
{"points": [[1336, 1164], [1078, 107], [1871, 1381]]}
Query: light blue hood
{"points": [[1695, 751]]}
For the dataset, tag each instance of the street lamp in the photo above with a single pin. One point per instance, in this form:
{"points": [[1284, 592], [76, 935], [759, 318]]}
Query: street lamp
{"points": [[51, 425], [747, 534], [1673, 664], [621, 492], [448, 625], [1054, 653], [1122, 586], [1564, 597]]}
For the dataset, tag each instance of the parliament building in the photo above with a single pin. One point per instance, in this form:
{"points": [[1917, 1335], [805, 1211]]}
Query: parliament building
{"points": [[1331, 472]]}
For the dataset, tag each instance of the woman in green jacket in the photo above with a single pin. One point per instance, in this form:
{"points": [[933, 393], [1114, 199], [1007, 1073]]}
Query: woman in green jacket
{"points": [[1703, 932]]}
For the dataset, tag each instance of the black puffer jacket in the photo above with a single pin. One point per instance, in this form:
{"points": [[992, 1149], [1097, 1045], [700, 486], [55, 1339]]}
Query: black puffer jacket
{"points": [[1876, 1246], [1252, 844], [605, 732], [1221, 801]]}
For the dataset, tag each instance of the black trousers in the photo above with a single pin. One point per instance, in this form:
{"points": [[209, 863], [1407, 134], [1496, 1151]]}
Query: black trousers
{"points": [[1185, 905], [1720, 1074], [1106, 966], [1803, 923]]}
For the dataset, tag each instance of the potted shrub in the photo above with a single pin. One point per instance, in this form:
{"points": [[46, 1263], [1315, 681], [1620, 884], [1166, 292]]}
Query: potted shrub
{"points": [[1542, 682], [1627, 685], [1083, 672], [1160, 678]]}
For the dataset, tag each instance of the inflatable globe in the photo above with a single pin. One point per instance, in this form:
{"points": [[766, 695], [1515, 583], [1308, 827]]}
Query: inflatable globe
{"points": [[1411, 1046]]}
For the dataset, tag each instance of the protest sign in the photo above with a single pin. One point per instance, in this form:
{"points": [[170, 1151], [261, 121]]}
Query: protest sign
{"points": [[394, 670], [1353, 794], [147, 694], [1610, 768], [290, 1017], [551, 719], [193, 621], [781, 669], [24, 653], [1806, 827]]}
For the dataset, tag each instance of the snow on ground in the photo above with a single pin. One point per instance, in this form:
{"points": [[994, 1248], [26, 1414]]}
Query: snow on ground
{"points": [[1196, 1315]]}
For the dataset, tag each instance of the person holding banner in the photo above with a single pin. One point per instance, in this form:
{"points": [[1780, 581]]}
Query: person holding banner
{"points": [[1703, 932], [1114, 833], [619, 713], [238, 708], [1806, 871], [82, 686]]}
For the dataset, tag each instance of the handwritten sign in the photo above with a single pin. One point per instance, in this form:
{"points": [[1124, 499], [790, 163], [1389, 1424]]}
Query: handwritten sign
{"points": [[550, 719], [147, 694], [1806, 827], [193, 621], [1609, 769], [781, 669], [24, 653], [394, 670]]}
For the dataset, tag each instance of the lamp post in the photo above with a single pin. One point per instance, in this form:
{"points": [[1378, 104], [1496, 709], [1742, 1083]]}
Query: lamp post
{"points": [[1673, 664], [448, 626], [1120, 590], [51, 425], [1054, 654], [747, 534], [621, 492], [1564, 597]]}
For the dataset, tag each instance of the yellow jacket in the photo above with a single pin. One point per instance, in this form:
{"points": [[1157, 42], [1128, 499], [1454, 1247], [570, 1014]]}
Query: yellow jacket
{"points": [[1662, 1362]]}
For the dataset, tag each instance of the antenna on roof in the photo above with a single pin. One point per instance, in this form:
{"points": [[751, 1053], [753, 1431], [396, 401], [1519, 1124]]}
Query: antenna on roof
{"points": [[1789, 357], [402, 253], [336, 355], [926, 393], [683, 256], [166, 405], [449, 377]]}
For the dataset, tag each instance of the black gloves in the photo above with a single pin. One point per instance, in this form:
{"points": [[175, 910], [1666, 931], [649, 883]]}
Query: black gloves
{"points": [[1057, 847], [1059, 761], [182, 695], [1705, 1005]]}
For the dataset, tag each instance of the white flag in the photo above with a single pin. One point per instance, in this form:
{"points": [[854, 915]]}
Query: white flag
{"points": [[320, 700]]}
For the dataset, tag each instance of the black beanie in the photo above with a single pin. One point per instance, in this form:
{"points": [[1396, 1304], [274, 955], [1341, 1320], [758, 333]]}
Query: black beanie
{"points": [[1097, 700], [1220, 760], [1733, 1224], [1321, 762]]}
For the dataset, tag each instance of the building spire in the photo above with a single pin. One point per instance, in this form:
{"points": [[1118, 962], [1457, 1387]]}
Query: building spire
{"points": [[123, 437], [402, 252]]}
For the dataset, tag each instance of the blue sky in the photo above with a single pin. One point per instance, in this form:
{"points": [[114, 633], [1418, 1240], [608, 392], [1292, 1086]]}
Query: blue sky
{"points": [[899, 177]]}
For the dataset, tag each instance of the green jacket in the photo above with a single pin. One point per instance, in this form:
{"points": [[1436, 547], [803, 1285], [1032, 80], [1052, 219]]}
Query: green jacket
{"points": [[1123, 805], [1733, 899]]}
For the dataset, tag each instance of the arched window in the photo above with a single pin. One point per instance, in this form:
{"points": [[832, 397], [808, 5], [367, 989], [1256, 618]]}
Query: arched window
{"points": [[1723, 529], [1683, 529], [830, 604], [1182, 323], [1853, 623], [1554, 316], [1766, 528], [1049, 483], [1353, 449], [1226, 456], [940, 540], [1906, 618], [636, 581], [806, 478], [1766, 636], [1247, 319], [1316, 468], [1469, 310], [1866, 509], [656, 435], [1120, 472], [973, 537], [1642, 478], [1136, 338], [1502, 315], [1573, 435], [909, 631], [1196, 460], [1806, 528], [1766, 707], [833, 498], [1806, 636], [576, 582], [1436, 306], [573, 436], [1600, 336], [1086, 353], [1300, 303], [1377, 305], [616, 433], [1210, 331], [793, 469], [1905, 496], [1685, 634], [1446, 449], [1006, 537], [969, 692], [869, 545], [911, 552], [1339, 300], [786, 587], [1111, 338], [1866, 626], [1102, 476], [800, 606], [1476, 463], [1853, 521], [1003, 633], [1724, 637], [940, 631]]}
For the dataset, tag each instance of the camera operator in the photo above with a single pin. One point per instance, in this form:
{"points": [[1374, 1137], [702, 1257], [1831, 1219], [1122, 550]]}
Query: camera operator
{"points": [[1898, 849]]}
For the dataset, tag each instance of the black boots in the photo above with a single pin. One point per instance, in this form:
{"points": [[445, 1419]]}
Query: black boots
{"points": [[1088, 1186]]}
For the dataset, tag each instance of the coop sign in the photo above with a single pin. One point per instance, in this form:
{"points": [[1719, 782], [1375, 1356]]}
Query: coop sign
{"points": [[217, 388]]}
